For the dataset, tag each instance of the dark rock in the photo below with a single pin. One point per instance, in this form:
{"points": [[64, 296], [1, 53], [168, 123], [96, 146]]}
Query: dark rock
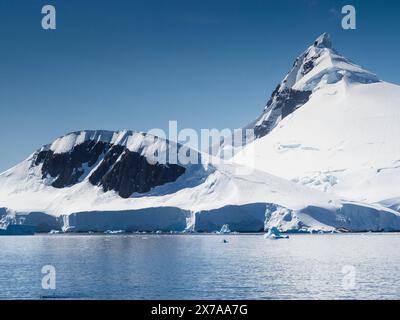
{"points": [[118, 169], [67, 168], [282, 103], [105, 166], [307, 67], [133, 173]]}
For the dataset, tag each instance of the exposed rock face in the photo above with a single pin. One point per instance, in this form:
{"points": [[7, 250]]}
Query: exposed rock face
{"points": [[286, 99], [133, 173], [67, 168], [282, 103], [113, 167]]}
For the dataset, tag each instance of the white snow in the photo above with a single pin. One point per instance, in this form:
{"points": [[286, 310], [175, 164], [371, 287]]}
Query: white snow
{"points": [[343, 141], [328, 67], [317, 67], [147, 145], [221, 197]]}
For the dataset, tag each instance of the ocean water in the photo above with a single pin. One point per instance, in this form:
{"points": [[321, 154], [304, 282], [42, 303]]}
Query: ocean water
{"points": [[331, 266]]}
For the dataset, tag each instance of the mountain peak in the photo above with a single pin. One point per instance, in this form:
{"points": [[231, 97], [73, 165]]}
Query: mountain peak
{"points": [[317, 67], [323, 41]]}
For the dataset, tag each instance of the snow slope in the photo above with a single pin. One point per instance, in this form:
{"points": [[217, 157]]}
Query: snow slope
{"points": [[205, 198], [343, 140], [146, 145]]}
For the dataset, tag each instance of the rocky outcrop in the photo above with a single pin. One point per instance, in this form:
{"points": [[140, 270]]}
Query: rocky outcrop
{"points": [[282, 103], [66, 169], [133, 173], [113, 167]]}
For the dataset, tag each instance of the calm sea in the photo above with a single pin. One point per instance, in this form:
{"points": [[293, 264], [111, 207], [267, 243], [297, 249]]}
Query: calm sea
{"points": [[337, 266]]}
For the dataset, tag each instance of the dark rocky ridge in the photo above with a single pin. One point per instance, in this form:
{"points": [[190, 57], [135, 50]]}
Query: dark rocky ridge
{"points": [[117, 168], [281, 104], [132, 173], [285, 100], [67, 168]]}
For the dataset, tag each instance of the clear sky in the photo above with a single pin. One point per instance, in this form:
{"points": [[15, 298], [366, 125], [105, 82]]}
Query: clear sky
{"points": [[129, 64]]}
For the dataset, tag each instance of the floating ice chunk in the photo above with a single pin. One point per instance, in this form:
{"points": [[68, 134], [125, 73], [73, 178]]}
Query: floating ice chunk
{"points": [[273, 233], [114, 231], [225, 229]]}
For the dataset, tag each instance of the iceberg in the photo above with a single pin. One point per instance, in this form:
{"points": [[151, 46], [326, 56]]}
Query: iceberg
{"points": [[273, 233], [114, 231], [225, 229]]}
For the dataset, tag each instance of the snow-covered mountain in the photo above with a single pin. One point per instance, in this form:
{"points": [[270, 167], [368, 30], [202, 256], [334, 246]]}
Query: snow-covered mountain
{"points": [[322, 128], [318, 66], [79, 183], [126, 162], [341, 138]]}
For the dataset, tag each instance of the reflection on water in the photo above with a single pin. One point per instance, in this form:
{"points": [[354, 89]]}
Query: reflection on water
{"points": [[201, 266]]}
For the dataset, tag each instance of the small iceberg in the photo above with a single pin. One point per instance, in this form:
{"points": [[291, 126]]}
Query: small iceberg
{"points": [[273, 233], [114, 231], [54, 232], [225, 229]]}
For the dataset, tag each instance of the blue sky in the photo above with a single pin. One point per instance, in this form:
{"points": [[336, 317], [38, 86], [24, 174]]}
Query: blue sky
{"points": [[127, 64]]}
